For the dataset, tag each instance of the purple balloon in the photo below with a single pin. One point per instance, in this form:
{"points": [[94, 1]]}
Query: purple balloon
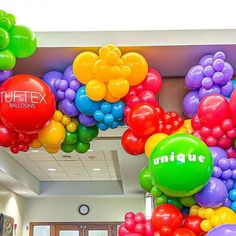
{"points": [[217, 153], [229, 183], [5, 74], [68, 108], [223, 230], [227, 174], [86, 120], [217, 172], [224, 163], [228, 71], [208, 71], [60, 95], [50, 77], [215, 89], [69, 74], [206, 60], [190, 103], [227, 89], [227, 202], [75, 85], [207, 82], [70, 94], [232, 163], [234, 174], [219, 55], [218, 77], [213, 194], [218, 64], [63, 85], [56, 83], [193, 79]]}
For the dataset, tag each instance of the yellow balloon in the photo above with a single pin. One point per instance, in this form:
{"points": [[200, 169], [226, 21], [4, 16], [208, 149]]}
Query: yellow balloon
{"points": [[181, 130], [58, 115], [118, 87], [216, 220], [206, 225], [152, 141], [74, 120], [36, 144], [201, 212], [96, 90], [71, 127], [110, 98], [52, 149], [138, 65], [83, 66], [227, 215], [65, 120], [53, 134], [209, 212], [194, 210], [101, 71], [188, 126], [110, 54]]}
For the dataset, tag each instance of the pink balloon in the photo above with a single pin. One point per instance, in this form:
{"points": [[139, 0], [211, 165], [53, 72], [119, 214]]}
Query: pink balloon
{"points": [[129, 215], [140, 228], [122, 231], [130, 224], [140, 218]]}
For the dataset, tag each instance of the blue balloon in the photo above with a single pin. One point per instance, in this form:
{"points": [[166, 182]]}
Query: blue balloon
{"points": [[232, 195], [108, 119], [84, 104], [98, 115], [114, 125], [102, 126], [233, 206], [234, 83], [106, 107], [118, 110]]}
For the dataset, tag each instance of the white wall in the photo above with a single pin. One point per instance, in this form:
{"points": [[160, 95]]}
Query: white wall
{"points": [[63, 209], [12, 205]]}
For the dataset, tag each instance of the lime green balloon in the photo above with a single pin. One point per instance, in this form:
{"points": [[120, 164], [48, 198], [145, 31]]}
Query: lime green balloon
{"points": [[181, 165], [156, 192], [70, 138], [5, 23], [87, 134], [4, 39], [23, 42], [7, 60], [81, 147], [145, 179], [176, 202], [188, 201], [160, 200], [2, 13], [67, 147], [11, 18]]}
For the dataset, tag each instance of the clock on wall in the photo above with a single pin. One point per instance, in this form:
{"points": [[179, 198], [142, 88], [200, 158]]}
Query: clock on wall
{"points": [[83, 209]]}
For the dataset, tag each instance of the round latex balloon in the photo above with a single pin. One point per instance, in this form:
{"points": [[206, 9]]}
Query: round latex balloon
{"points": [[223, 230], [183, 232], [26, 103], [213, 110], [7, 59], [7, 136], [87, 134], [23, 42], [233, 106], [181, 165], [227, 215], [145, 179]]}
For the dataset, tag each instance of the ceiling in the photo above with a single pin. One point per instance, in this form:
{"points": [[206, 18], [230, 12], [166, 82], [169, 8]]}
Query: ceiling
{"points": [[94, 165]]}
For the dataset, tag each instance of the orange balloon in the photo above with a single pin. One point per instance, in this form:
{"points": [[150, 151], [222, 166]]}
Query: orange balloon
{"points": [[96, 90], [52, 149], [181, 130], [36, 144], [118, 87], [110, 98], [110, 54], [138, 65], [83, 66], [101, 71]]}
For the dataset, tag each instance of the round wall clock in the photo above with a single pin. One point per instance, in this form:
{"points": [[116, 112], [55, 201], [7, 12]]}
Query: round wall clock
{"points": [[83, 209]]}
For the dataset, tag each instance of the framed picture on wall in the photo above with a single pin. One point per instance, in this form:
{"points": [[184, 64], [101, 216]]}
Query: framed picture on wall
{"points": [[6, 225]]}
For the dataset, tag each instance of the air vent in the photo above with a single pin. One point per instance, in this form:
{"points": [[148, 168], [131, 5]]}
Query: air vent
{"points": [[66, 156], [91, 157]]}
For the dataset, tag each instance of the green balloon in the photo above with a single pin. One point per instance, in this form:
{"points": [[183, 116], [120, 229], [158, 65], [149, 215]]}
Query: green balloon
{"points": [[188, 201], [81, 147], [70, 138], [5, 23], [145, 179], [7, 60], [11, 18], [2, 13], [23, 42], [181, 164], [176, 202], [87, 134], [4, 39], [160, 200], [156, 192], [67, 147]]}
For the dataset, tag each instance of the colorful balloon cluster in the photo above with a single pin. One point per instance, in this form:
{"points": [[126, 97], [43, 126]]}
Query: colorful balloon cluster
{"points": [[16, 41], [211, 76], [109, 76]]}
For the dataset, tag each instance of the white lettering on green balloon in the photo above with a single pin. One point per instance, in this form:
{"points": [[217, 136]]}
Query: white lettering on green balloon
{"points": [[181, 157]]}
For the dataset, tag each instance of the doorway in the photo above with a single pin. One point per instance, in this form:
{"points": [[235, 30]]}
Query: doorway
{"points": [[74, 229]]}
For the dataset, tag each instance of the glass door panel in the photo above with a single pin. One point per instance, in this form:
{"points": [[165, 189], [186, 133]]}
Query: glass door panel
{"points": [[97, 232], [69, 233], [41, 230]]}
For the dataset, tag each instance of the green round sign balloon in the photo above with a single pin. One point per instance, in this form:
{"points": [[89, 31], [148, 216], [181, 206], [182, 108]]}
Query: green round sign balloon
{"points": [[181, 165], [145, 179]]}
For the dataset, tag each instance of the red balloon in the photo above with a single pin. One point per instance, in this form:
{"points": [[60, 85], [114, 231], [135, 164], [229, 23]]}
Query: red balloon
{"points": [[231, 152], [205, 131], [26, 103], [149, 97], [142, 119], [227, 125], [233, 106], [8, 137], [139, 228], [149, 228], [211, 141], [196, 122], [153, 81], [225, 142], [166, 215], [183, 232], [140, 218], [213, 110], [217, 132], [14, 149], [130, 224], [193, 223], [133, 234], [132, 144], [129, 215], [122, 231]]}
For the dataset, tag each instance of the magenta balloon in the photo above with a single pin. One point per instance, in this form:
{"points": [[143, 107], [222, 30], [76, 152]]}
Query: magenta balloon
{"points": [[223, 230], [213, 194], [190, 103], [193, 79]]}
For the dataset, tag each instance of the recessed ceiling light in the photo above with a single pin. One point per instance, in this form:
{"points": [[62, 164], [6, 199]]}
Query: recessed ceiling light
{"points": [[34, 150], [90, 150], [52, 169], [96, 169]]}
